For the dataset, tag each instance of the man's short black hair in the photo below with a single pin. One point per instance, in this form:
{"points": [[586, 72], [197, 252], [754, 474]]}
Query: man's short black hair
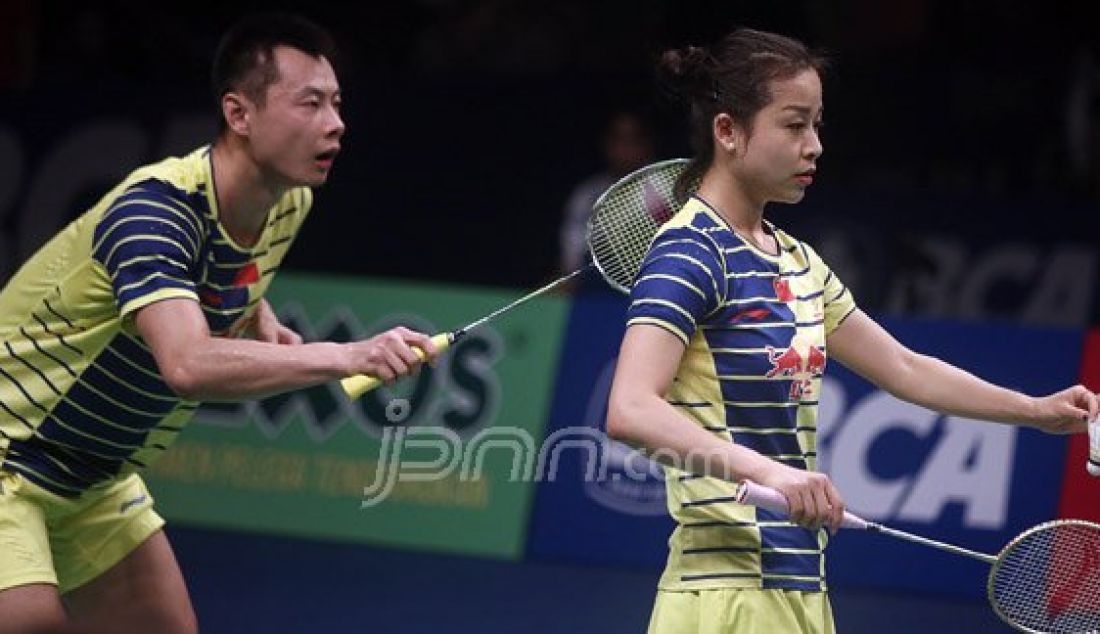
{"points": [[245, 59]]}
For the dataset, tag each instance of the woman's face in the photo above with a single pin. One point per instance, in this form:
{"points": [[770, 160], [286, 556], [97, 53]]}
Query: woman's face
{"points": [[780, 155]]}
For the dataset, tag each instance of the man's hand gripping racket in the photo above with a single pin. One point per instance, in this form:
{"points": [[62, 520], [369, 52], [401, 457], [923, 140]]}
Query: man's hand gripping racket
{"points": [[1047, 579], [622, 225]]}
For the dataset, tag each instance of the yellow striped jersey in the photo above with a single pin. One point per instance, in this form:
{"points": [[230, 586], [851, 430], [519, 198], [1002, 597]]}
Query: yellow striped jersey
{"points": [[754, 327], [81, 398]]}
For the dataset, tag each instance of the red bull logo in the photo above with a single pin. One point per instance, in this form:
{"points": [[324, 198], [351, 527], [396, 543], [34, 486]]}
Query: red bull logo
{"points": [[815, 362], [784, 362], [801, 361]]}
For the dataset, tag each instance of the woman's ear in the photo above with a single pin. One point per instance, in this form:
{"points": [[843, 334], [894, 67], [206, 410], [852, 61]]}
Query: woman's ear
{"points": [[728, 135]]}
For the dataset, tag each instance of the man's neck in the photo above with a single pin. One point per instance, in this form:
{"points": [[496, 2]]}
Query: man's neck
{"points": [[244, 195]]}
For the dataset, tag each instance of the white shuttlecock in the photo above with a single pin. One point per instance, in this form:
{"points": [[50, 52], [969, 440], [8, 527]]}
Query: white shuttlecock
{"points": [[1093, 464]]}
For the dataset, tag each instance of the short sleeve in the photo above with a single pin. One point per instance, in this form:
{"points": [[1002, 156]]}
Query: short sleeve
{"points": [[680, 282], [148, 242], [838, 299]]}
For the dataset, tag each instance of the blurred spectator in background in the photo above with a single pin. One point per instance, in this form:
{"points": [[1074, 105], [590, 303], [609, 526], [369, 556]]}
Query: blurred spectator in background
{"points": [[1083, 123], [627, 144]]}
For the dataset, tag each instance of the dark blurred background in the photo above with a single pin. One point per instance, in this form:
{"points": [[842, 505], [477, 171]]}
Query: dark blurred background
{"points": [[962, 158]]}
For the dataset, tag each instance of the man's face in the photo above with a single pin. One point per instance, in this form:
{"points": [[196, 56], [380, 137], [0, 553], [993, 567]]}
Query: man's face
{"points": [[295, 135]]}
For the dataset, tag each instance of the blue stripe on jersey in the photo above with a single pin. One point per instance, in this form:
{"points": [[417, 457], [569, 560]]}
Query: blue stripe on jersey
{"points": [[762, 415], [780, 563], [101, 431], [57, 469], [769, 444], [680, 281], [219, 320], [798, 273], [755, 363], [768, 583], [221, 263], [728, 336], [147, 242], [815, 295], [774, 390], [753, 286], [59, 482], [785, 535], [139, 196], [195, 200], [51, 430], [100, 403], [110, 368], [750, 315], [745, 261]]}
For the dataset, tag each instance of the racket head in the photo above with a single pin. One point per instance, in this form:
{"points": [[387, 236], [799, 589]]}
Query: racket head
{"points": [[1047, 579], [626, 217]]}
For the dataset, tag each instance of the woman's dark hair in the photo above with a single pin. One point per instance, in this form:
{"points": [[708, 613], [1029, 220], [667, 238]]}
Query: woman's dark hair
{"points": [[733, 77], [245, 59]]}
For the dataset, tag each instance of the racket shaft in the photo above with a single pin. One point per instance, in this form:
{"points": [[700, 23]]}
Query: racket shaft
{"points": [[523, 300], [360, 384], [917, 539], [774, 501]]}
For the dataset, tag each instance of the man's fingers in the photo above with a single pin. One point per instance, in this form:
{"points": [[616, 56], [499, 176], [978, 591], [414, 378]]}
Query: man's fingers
{"points": [[424, 342], [288, 337], [395, 364]]}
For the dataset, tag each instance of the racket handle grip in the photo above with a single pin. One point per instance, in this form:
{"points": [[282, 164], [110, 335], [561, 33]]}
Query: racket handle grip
{"points": [[1093, 464], [359, 384], [758, 495]]}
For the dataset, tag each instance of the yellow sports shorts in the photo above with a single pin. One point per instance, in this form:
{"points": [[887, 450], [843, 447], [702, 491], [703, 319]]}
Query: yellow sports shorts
{"points": [[741, 611], [67, 542]]}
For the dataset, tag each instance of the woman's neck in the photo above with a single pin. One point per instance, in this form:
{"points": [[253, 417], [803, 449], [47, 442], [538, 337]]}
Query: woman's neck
{"points": [[729, 199]]}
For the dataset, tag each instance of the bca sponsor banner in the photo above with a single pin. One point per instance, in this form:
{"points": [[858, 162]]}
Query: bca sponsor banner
{"points": [[973, 483], [437, 462], [603, 503]]}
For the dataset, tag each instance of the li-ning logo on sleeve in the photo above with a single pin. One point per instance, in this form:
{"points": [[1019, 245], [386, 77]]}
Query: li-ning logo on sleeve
{"points": [[131, 503]]}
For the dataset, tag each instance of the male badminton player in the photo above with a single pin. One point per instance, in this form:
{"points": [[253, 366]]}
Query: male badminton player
{"points": [[720, 368], [149, 303]]}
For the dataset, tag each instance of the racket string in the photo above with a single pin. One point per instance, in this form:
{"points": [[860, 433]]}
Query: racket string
{"points": [[626, 218], [1048, 580]]}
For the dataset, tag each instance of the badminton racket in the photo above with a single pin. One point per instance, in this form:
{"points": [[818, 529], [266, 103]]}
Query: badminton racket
{"points": [[624, 220], [1045, 581]]}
